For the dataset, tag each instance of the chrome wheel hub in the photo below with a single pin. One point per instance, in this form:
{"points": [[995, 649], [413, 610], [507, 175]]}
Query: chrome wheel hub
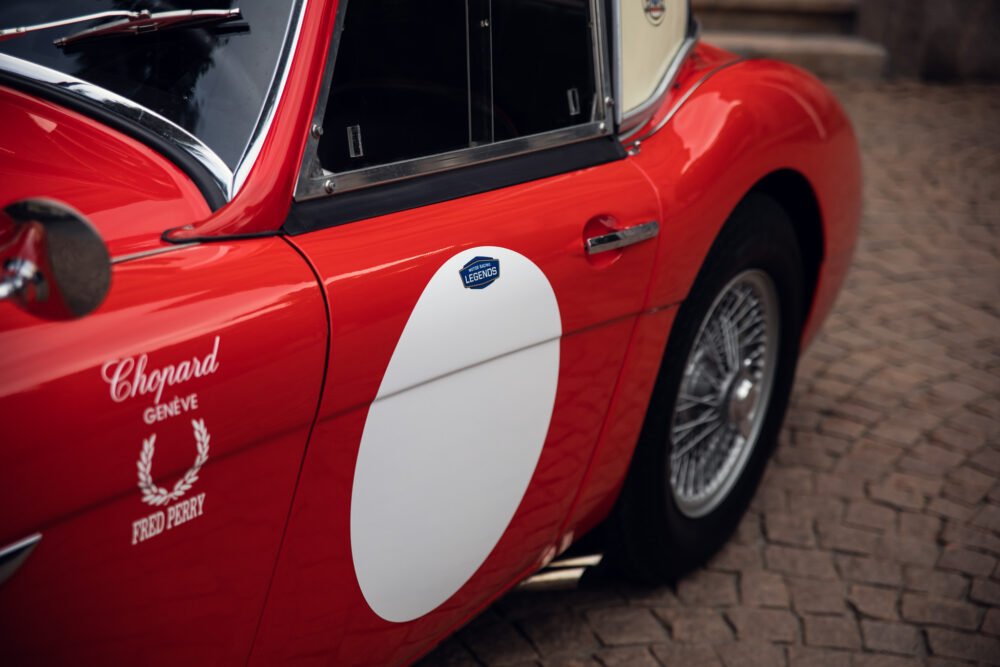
{"points": [[724, 393], [744, 392]]}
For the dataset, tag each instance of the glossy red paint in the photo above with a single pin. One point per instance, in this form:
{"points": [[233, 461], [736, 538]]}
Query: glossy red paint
{"points": [[266, 194], [609, 462], [306, 329], [748, 120], [733, 123], [70, 452], [373, 279], [130, 192]]}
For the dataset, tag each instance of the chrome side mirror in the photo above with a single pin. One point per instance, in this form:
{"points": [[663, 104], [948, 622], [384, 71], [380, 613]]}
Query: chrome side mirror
{"points": [[53, 261]]}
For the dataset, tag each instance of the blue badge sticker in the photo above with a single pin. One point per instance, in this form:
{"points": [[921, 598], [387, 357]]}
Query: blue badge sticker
{"points": [[480, 272]]}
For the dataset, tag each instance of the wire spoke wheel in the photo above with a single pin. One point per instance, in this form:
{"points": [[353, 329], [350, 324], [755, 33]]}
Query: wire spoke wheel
{"points": [[724, 393], [719, 402]]}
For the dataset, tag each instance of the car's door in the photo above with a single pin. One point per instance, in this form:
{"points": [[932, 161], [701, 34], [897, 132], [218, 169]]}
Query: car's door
{"points": [[475, 342]]}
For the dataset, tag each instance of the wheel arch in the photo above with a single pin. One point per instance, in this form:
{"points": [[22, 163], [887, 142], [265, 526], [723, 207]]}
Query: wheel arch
{"points": [[793, 192], [749, 126], [755, 126]]}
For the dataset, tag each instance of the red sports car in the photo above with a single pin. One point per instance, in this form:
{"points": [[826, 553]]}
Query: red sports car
{"points": [[323, 324]]}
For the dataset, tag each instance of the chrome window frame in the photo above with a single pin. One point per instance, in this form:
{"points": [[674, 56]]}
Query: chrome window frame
{"points": [[275, 92], [631, 122], [315, 182], [229, 181]]}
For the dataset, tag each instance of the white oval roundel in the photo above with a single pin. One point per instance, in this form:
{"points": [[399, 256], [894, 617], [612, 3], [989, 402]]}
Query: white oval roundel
{"points": [[453, 437]]}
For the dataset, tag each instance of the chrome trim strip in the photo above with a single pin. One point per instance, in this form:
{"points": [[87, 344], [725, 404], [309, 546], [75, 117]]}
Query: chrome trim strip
{"points": [[12, 557], [275, 92], [151, 253], [330, 182], [312, 177], [604, 93], [616, 36], [636, 118], [315, 182], [677, 107], [622, 238], [126, 108]]}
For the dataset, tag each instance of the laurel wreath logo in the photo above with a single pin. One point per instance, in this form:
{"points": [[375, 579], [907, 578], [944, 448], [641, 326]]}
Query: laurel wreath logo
{"points": [[157, 495]]}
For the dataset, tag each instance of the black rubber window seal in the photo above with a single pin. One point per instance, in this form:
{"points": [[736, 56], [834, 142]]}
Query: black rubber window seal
{"points": [[341, 209]]}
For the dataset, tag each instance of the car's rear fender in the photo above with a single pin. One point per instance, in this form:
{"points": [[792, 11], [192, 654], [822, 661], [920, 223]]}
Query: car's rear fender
{"points": [[739, 127], [751, 125]]}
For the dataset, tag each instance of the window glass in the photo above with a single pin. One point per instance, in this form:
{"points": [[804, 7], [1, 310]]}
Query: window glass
{"points": [[543, 72], [419, 79], [212, 80], [400, 84]]}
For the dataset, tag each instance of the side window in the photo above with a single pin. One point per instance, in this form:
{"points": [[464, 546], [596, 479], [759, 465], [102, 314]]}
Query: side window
{"points": [[543, 66], [414, 80], [400, 84]]}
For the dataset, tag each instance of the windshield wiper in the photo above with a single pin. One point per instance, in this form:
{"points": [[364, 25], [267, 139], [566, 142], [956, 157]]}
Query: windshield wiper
{"points": [[135, 23]]}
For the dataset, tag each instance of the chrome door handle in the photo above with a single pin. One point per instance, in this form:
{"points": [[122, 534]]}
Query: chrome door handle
{"points": [[622, 238]]}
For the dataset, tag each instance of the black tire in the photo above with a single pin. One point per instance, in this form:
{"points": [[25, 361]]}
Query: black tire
{"points": [[649, 538]]}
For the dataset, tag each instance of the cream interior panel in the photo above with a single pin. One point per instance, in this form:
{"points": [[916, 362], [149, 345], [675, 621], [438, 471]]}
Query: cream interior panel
{"points": [[648, 47]]}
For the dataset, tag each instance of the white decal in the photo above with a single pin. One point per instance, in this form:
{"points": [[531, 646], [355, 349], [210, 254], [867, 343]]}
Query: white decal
{"points": [[128, 378], [161, 521], [178, 513], [452, 440], [131, 377], [174, 408], [158, 496]]}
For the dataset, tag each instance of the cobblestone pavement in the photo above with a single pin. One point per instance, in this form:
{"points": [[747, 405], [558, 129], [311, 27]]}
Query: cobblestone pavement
{"points": [[874, 539]]}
